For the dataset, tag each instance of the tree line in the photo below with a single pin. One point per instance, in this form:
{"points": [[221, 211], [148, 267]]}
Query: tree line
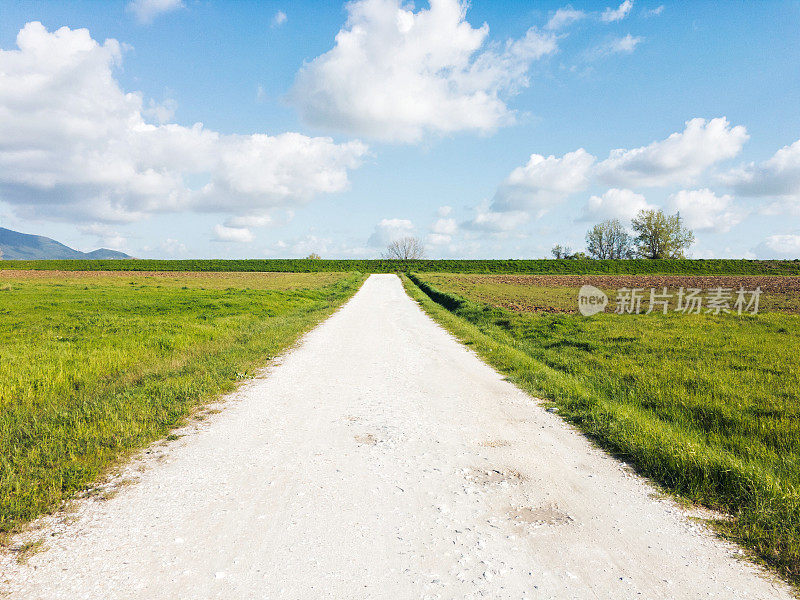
{"points": [[656, 236]]}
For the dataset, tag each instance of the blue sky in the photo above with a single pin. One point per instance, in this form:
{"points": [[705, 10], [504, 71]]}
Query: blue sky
{"points": [[490, 130]]}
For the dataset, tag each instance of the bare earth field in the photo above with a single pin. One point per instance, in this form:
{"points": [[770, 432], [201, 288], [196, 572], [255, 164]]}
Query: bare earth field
{"points": [[558, 293], [380, 458]]}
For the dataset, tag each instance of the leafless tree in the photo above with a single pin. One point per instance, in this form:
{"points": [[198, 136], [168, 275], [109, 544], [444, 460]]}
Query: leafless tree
{"points": [[407, 248], [560, 251]]}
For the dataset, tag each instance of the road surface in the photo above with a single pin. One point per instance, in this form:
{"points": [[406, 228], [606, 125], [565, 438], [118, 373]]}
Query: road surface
{"points": [[381, 459]]}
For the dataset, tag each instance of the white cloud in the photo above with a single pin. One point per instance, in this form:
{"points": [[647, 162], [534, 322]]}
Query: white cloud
{"points": [[438, 239], [779, 246], [279, 18], [389, 230], [679, 159], [622, 45], [563, 17], [544, 181], [147, 10], [777, 177], [240, 235], [445, 226], [161, 112], [654, 12], [303, 246], [397, 75], [106, 236], [705, 211], [615, 204], [444, 211], [532, 189], [254, 220], [324, 246], [442, 230], [617, 14], [491, 221], [77, 147], [173, 247]]}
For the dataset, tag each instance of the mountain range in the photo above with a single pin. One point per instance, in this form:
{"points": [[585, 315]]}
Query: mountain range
{"points": [[23, 246]]}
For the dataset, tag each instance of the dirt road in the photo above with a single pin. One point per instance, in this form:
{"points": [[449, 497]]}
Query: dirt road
{"points": [[382, 459]]}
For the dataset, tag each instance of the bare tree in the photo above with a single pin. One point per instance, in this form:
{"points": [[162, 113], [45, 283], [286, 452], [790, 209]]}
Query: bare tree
{"points": [[560, 251], [407, 248], [609, 240]]}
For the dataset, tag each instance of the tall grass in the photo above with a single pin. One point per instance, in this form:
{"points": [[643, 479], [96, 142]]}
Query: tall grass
{"points": [[94, 366], [706, 405]]}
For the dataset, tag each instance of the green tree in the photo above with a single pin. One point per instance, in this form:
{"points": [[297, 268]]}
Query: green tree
{"points": [[609, 240], [313, 256], [661, 236]]}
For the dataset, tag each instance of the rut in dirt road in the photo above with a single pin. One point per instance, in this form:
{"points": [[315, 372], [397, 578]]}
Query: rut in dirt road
{"points": [[382, 459]]}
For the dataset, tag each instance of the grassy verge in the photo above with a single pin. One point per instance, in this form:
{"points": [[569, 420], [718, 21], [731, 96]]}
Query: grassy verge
{"points": [[705, 405], [93, 365]]}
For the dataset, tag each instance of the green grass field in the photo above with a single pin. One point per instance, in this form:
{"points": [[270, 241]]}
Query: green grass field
{"points": [[94, 365], [706, 405]]}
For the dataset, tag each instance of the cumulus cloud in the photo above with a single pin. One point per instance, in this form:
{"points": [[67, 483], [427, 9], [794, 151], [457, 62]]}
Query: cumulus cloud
{"points": [[161, 112], [443, 229], [544, 181], [779, 246], [255, 220], [615, 204], [622, 45], [777, 177], [705, 211], [397, 75], [445, 226], [147, 10], [564, 17], [617, 14], [438, 239], [107, 237], [389, 230], [173, 247], [491, 221], [679, 159], [75, 146], [532, 189], [240, 235], [326, 247]]}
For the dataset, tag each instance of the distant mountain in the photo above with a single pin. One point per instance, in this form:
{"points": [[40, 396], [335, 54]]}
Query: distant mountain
{"points": [[23, 246]]}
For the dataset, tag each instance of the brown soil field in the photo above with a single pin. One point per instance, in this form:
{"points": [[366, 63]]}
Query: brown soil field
{"points": [[558, 293]]}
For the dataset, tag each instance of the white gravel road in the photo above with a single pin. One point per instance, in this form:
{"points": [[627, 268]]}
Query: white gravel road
{"points": [[381, 459]]}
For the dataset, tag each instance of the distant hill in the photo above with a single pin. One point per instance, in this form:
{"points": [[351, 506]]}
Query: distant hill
{"points": [[23, 246]]}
